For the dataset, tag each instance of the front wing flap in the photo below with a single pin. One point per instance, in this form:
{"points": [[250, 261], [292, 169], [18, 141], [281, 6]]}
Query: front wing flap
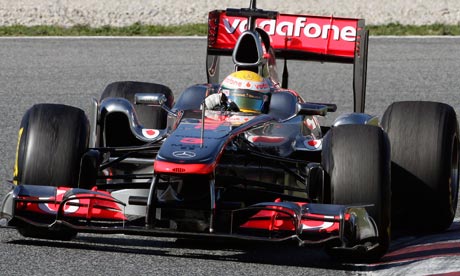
{"points": [[347, 227], [309, 223]]}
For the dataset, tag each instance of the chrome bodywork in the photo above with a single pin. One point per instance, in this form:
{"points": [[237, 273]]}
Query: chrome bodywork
{"points": [[113, 105], [356, 119]]}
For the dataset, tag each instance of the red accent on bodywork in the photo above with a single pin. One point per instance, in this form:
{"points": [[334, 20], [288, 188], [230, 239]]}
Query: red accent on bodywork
{"points": [[270, 220], [191, 140], [267, 139], [310, 123], [95, 207], [209, 126], [169, 167], [213, 123], [273, 220], [312, 143]]}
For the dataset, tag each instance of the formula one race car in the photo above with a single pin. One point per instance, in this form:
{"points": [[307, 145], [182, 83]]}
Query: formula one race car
{"points": [[226, 162]]}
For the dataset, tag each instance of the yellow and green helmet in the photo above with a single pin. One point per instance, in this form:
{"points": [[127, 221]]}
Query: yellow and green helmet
{"points": [[248, 90]]}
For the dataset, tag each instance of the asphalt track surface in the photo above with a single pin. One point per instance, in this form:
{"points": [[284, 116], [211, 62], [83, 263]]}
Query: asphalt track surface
{"points": [[73, 70]]}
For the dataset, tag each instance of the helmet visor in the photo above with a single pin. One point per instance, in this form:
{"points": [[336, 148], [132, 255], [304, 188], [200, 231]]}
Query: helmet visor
{"points": [[247, 100]]}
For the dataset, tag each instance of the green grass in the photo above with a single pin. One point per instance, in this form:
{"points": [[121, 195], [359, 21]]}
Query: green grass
{"points": [[85, 30], [200, 30], [398, 29]]}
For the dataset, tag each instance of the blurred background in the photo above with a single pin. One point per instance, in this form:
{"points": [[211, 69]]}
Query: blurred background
{"points": [[127, 12]]}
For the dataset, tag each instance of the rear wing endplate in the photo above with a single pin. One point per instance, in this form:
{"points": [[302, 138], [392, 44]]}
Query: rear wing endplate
{"points": [[297, 37]]}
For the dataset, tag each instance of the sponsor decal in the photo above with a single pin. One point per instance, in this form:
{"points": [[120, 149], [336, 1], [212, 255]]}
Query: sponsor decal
{"points": [[236, 120], [317, 225], [313, 144], [150, 133], [300, 27], [191, 140], [184, 154], [246, 80], [52, 208], [331, 36], [232, 83], [209, 125]]}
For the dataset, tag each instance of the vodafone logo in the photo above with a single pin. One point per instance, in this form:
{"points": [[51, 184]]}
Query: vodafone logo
{"points": [[299, 27], [231, 82]]}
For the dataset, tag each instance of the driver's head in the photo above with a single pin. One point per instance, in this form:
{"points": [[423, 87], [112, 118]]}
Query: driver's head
{"points": [[248, 90]]}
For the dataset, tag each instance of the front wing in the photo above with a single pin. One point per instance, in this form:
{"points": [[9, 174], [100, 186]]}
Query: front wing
{"points": [[92, 211]]}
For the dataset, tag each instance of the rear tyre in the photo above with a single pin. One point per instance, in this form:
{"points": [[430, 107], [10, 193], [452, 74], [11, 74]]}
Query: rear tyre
{"points": [[356, 159], [424, 140], [52, 140]]}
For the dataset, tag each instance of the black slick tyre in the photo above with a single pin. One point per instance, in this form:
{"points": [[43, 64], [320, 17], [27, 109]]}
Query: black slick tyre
{"points": [[52, 140], [356, 159], [424, 140]]}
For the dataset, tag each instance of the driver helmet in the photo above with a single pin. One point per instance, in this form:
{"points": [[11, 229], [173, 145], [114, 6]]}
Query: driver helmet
{"points": [[248, 90]]}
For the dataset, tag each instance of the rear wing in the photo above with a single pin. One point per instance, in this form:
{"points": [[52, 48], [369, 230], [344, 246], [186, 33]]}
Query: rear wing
{"points": [[297, 37]]}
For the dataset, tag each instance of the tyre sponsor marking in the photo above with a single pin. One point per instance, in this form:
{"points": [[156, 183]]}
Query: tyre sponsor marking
{"points": [[16, 166]]}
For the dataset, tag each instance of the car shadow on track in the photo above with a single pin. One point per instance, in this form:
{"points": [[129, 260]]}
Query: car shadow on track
{"points": [[404, 250], [244, 252]]}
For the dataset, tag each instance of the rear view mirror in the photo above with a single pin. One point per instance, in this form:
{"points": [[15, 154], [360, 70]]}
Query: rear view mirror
{"points": [[311, 109]]}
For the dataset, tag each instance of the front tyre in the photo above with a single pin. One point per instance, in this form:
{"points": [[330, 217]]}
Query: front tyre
{"points": [[52, 141], [356, 159]]}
